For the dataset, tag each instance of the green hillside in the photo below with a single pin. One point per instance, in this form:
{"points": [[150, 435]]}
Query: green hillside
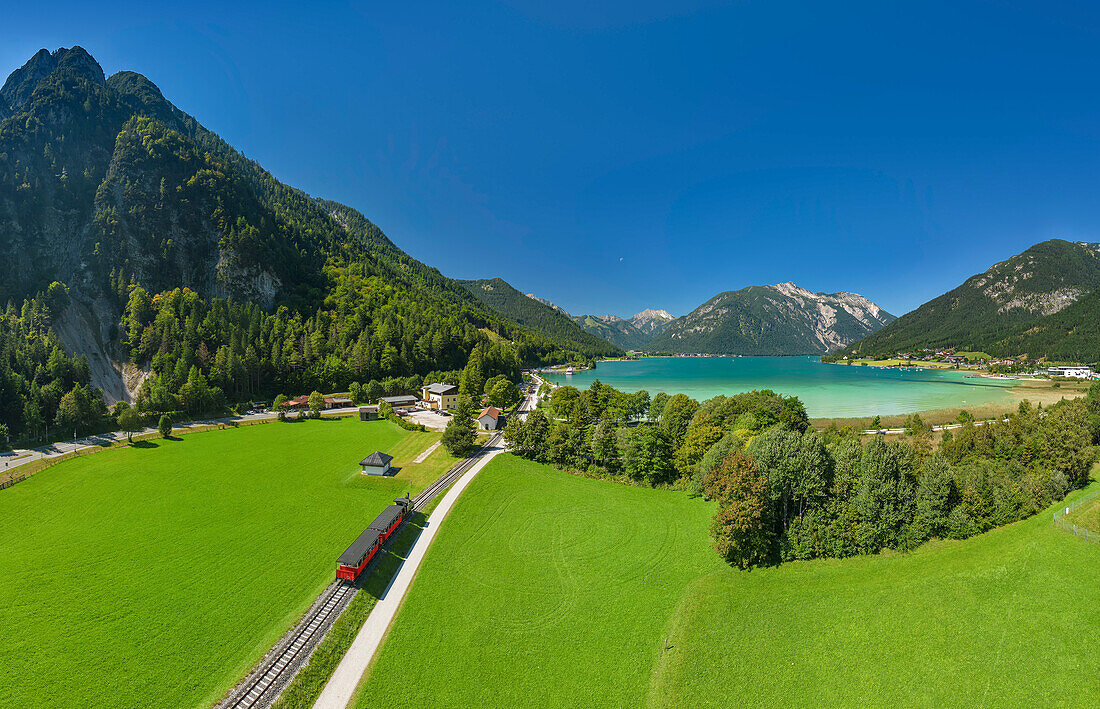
{"points": [[182, 254], [167, 569], [561, 587], [552, 324], [1034, 303]]}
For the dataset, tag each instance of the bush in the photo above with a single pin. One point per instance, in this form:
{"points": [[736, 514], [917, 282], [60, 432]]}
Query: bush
{"points": [[165, 426]]}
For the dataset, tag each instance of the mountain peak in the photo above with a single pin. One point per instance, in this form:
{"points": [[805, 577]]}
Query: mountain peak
{"points": [[23, 81], [652, 314]]}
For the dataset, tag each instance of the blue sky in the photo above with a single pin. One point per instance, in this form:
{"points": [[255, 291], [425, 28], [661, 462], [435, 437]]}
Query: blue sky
{"points": [[624, 155]]}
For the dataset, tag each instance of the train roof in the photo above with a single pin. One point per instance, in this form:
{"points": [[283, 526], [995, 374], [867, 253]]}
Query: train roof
{"points": [[354, 554], [389, 515]]}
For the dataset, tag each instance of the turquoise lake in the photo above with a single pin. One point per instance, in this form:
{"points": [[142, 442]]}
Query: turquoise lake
{"points": [[827, 390]]}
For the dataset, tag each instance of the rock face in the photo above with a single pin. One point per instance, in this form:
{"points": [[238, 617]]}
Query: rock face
{"points": [[781, 319], [651, 322], [549, 303], [991, 311]]}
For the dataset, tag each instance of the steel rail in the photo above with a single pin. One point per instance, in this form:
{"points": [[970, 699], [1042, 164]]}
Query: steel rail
{"points": [[292, 650]]}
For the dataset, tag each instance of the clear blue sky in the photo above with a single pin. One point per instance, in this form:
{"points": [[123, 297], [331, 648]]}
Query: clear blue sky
{"points": [[638, 154]]}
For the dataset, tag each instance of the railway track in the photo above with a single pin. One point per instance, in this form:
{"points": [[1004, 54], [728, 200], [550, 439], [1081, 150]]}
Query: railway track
{"points": [[275, 671], [432, 491], [280, 665]]}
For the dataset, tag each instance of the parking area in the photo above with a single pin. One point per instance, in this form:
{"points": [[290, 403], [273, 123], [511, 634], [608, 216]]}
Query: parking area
{"points": [[430, 419]]}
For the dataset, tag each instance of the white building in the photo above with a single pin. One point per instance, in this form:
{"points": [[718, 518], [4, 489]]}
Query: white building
{"points": [[488, 419], [1075, 372]]}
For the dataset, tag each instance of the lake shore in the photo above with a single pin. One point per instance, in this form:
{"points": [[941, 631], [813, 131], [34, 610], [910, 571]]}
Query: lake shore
{"points": [[826, 391], [1036, 391]]}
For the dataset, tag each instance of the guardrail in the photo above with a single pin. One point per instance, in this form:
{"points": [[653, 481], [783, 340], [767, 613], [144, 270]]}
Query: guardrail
{"points": [[1060, 518]]}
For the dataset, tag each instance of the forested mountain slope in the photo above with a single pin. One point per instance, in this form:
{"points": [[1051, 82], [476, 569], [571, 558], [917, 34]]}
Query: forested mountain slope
{"points": [[547, 320], [780, 319], [218, 271], [1035, 303]]}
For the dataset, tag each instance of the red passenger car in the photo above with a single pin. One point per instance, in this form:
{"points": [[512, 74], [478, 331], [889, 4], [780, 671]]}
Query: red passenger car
{"points": [[352, 562]]}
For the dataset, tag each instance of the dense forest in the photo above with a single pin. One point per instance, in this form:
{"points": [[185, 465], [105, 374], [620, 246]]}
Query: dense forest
{"points": [[786, 491], [553, 324], [41, 387], [207, 269]]}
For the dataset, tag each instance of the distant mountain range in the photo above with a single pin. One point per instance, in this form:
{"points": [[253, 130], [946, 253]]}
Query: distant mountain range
{"points": [[631, 333], [1042, 302], [537, 314], [781, 319]]}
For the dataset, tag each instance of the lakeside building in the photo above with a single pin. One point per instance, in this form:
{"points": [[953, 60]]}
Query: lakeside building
{"points": [[441, 397], [1075, 372]]}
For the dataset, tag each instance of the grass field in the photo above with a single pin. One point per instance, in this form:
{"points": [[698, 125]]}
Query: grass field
{"points": [[544, 588], [157, 575], [1087, 516]]}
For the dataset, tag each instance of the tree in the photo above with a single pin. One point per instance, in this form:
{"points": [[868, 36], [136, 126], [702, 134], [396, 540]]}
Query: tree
{"points": [[130, 421], [32, 416], [965, 417], [4, 433], [280, 406], [876, 423], [605, 447], [372, 391], [316, 403], [458, 437], [657, 405], [935, 496], [164, 427], [503, 395], [473, 378], [515, 435], [73, 411], [676, 417], [740, 528]]}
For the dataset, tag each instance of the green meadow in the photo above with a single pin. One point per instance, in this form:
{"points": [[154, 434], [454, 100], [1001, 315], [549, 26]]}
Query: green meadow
{"points": [[156, 575], [553, 590]]}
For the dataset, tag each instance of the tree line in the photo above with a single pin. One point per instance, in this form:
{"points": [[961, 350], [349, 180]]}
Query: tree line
{"points": [[785, 491]]}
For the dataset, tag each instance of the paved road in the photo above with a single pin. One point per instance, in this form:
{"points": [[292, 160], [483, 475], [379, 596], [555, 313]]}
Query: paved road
{"points": [[341, 686], [14, 459]]}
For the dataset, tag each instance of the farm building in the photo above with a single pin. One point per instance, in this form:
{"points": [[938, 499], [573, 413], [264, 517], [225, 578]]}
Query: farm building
{"points": [[488, 419], [368, 413], [377, 463], [399, 402], [442, 397]]}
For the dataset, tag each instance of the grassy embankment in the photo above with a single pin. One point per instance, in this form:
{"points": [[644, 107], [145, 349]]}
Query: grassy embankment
{"points": [[559, 590], [165, 570]]}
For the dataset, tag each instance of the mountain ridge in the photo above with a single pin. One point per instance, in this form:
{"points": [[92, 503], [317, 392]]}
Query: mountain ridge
{"points": [[779, 319], [993, 311]]}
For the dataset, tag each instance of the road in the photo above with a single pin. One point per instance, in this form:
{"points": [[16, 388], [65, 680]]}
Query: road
{"points": [[19, 457], [341, 686], [940, 427]]}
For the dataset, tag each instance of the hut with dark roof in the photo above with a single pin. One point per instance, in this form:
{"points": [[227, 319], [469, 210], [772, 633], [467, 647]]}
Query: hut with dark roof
{"points": [[377, 463]]}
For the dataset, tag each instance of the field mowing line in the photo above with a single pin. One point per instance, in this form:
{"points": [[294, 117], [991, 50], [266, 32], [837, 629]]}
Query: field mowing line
{"points": [[1004, 632]]}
